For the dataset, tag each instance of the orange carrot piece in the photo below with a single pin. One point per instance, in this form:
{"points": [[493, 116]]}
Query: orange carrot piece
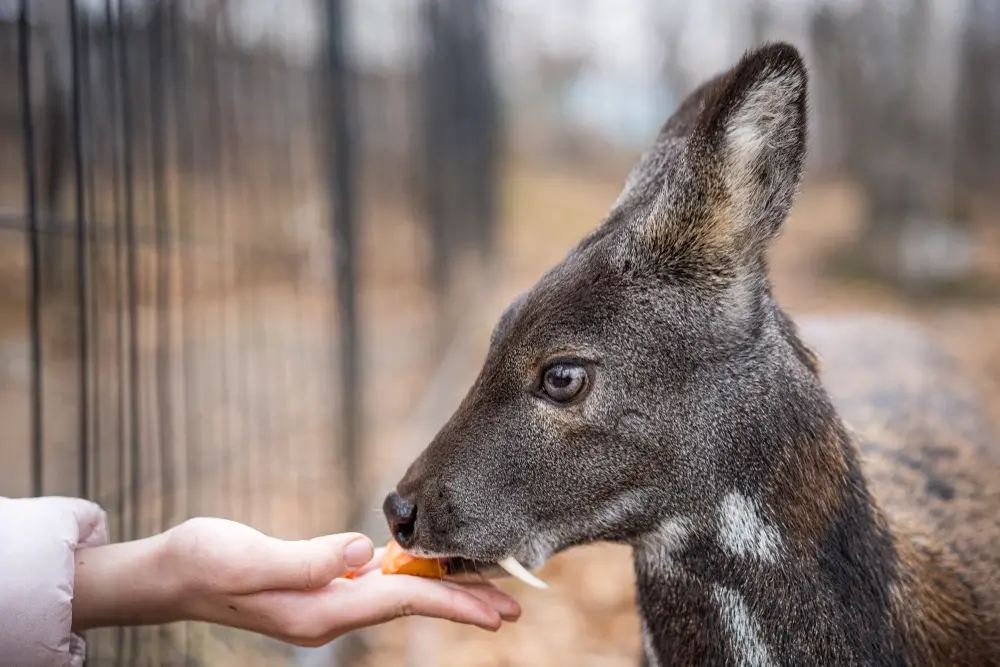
{"points": [[398, 561]]}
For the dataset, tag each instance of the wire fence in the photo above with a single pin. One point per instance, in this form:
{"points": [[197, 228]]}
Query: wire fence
{"points": [[213, 247], [245, 244]]}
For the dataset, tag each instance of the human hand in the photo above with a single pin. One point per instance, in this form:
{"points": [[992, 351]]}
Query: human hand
{"points": [[227, 573]]}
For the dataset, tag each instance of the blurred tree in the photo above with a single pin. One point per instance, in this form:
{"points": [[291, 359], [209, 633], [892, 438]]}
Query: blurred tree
{"points": [[979, 97], [894, 69], [760, 19], [460, 131]]}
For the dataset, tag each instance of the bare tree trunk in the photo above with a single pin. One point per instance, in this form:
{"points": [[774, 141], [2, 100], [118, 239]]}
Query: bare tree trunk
{"points": [[979, 99], [894, 76], [460, 129]]}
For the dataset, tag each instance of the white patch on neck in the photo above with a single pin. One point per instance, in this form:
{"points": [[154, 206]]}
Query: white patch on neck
{"points": [[743, 532], [619, 510], [537, 551], [745, 635], [658, 547], [652, 660], [672, 534]]}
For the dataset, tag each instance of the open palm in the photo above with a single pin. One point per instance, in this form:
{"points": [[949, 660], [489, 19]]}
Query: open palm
{"points": [[292, 590]]}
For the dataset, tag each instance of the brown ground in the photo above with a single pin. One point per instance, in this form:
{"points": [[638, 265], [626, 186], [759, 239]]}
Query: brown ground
{"points": [[263, 454]]}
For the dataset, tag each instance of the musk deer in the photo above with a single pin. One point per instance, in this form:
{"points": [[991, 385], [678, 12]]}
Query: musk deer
{"points": [[649, 390]]}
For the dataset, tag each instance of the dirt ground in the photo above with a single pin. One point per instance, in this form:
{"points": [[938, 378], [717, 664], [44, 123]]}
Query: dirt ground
{"points": [[254, 406]]}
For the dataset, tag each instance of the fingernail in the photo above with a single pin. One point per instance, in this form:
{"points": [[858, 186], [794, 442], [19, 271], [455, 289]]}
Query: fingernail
{"points": [[358, 552]]}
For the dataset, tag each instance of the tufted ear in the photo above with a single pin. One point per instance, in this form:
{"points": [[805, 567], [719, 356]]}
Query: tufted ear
{"points": [[750, 142], [726, 166]]}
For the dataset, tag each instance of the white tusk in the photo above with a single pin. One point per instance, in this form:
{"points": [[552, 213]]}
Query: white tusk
{"points": [[516, 570]]}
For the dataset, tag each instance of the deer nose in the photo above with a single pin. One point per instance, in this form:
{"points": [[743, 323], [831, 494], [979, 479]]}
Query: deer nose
{"points": [[402, 518]]}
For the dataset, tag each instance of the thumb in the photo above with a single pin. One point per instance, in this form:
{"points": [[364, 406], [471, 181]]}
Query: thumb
{"points": [[309, 564]]}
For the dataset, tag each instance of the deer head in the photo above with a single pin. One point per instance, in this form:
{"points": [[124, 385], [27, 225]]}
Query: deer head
{"points": [[646, 376]]}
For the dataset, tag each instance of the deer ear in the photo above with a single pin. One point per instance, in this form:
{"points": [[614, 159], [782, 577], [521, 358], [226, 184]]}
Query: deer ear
{"points": [[750, 142], [727, 165]]}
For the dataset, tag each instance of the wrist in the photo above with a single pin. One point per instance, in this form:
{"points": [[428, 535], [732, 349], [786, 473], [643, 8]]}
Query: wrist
{"points": [[129, 583]]}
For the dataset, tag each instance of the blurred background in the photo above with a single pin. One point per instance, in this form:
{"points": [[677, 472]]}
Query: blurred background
{"points": [[252, 250]]}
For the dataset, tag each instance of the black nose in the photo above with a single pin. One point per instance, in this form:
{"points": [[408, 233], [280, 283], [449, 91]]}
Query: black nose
{"points": [[402, 517]]}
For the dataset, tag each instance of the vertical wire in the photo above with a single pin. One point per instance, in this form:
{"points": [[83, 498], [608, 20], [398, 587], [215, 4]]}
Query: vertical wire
{"points": [[221, 208], [161, 220], [182, 126], [268, 439], [113, 64], [296, 364], [93, 239], [131, 291], [131, 274], [240, 241], [221, 131], [164, 257], [342, 168], [247, 240], [91, 285], [184, 134], [34, 269], [83, 332], [262, 340], [90, 197]]}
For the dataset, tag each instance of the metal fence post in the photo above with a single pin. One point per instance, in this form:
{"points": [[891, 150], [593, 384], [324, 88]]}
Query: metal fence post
{"points": [[34, 270]]}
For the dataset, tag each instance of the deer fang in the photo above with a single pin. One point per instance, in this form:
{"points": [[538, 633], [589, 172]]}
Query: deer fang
{"points": [[516, 570]]}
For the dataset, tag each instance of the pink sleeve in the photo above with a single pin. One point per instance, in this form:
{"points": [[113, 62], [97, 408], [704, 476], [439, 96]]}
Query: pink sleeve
{"points": [[38, 538]]}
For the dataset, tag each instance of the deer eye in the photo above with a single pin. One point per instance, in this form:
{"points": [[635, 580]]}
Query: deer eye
{"points": [[564, 382]]}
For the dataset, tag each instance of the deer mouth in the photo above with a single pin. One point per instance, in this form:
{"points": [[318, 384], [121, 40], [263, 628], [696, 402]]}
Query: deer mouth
{"points": [[465, 569]]}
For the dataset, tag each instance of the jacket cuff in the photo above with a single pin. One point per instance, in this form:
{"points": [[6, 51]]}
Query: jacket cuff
{"points": [[38, 541]]}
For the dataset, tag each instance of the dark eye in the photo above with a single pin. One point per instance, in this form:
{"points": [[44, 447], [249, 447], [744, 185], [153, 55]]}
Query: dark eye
{"points": [[564, 382]]}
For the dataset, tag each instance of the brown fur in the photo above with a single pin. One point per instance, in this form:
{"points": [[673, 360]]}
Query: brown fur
{"points": [[805, 508], [933, 607], [930, 459]]}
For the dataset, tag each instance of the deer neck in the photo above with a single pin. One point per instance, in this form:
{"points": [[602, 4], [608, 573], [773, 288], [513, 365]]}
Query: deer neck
{"points": [[803, 569]]}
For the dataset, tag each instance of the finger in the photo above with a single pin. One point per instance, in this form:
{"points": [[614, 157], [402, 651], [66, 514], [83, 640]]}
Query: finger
{"points": [[312, 618], [308, 564], [488, 592], [373, 565], [377, 599], [315, 617], [504, 604]]}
